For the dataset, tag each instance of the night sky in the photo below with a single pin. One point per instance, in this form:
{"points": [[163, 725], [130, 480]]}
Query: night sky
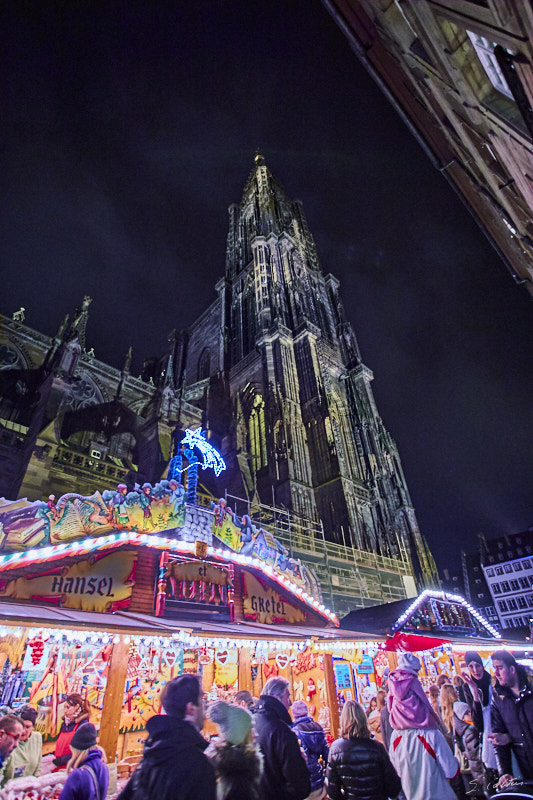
{"points": [[127, 128]]}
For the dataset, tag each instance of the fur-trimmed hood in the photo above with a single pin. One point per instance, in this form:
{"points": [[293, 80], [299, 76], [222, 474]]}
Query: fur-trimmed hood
{"points": [[238, 769]]}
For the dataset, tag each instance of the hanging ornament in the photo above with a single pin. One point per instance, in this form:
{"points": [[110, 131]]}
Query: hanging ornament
{"points": [[311, 689], [221, 656], [282, 660], [37, 650], [205, 655]]}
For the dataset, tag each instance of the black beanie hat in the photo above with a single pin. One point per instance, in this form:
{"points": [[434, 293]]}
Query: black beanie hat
{"points": [[84, 737], [471, 655]]}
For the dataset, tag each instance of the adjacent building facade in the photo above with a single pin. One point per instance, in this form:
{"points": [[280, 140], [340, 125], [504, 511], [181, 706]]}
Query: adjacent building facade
{"points": [[497, 579], [507, 564], [272, 371], [460, 73]]}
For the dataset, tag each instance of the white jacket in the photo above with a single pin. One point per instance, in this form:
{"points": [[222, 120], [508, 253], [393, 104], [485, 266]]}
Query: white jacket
{"points": [[423, 760]]}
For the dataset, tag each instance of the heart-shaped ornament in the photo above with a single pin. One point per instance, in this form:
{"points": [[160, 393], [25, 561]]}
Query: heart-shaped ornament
{"points": [[282, 660], [170, 657], [221, 656]]}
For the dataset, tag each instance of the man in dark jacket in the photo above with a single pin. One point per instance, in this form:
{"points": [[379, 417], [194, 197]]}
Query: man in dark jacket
{"points": [[512, 716], [285, 773], [173, 766], [313, 742]]}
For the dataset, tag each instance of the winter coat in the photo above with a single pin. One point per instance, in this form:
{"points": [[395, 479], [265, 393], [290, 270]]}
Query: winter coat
{"points": [[514, 715], [173, 766], [313, 742], [285, 773], [424, 762], [386, 728], [67, 730], [360, 769], [238, 770], [80, 784], [468, 736]]}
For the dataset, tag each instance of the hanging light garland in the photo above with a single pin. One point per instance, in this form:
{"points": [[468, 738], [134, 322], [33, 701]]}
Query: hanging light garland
{"points": [[443, 596], [109, 541]]}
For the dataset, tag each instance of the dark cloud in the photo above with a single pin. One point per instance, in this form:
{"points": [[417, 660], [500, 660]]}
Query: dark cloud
{"points": [[128, 128]]}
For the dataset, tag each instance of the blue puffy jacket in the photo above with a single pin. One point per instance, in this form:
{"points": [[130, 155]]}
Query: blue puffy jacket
{"points": [[80, 783], [313, 742]]}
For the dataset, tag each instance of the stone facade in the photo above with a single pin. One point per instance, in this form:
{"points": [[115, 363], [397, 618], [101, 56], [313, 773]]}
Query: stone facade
{"points": [[278, 372], [460, 73]]}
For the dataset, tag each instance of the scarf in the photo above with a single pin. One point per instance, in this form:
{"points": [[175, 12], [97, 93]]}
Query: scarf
{"points": [[483, 684], [407, 702]]}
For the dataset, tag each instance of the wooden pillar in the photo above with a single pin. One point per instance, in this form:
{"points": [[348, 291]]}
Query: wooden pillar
{"points": [[331, 694], [393, 660], [238, 600], [245, 674], [113, 698]]}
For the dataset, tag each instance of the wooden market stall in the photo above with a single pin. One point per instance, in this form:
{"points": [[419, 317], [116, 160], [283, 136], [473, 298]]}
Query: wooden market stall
{"points": [[94, 599], [438, 626]]}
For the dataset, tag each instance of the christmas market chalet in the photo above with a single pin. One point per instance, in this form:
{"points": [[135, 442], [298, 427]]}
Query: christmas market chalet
{"points": [[115, 594]]}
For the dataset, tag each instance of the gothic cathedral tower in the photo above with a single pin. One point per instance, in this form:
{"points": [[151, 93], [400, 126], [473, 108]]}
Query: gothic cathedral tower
{"points": [[276, 366]]}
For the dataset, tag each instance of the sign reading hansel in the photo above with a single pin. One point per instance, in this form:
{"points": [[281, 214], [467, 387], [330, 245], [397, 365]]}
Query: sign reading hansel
{"points": [[98, 584], [263, 604]]}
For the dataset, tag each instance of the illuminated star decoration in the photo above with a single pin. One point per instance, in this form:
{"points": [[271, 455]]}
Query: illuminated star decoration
{"points": [[211, 457]]}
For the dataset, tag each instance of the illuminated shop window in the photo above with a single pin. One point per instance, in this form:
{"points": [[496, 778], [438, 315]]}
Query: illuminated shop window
{"points": [[485, 52]]}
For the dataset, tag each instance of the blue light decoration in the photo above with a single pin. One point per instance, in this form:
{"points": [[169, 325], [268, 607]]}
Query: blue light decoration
{"points": [[211, 459]]}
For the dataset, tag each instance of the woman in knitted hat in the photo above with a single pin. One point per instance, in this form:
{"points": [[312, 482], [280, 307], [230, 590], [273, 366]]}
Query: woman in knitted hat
{"points": [[418, 749], [234, 755], [88, 775], [478, 694]]}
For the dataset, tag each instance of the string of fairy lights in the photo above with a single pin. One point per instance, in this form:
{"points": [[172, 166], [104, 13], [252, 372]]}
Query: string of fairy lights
{"points": [[187, 641], [110, 541]]}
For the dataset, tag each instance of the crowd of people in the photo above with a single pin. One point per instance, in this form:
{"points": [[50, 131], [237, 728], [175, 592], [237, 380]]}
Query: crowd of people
{"points": [[466, 736]]}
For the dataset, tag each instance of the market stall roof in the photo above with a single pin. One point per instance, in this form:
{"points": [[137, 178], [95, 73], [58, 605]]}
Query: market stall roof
{"points": [[432, 613], [38, 616], [255, 630]]}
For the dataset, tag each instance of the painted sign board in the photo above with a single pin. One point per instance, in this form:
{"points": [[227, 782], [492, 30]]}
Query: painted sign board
{"points": [[263, 604], [98, 584]]}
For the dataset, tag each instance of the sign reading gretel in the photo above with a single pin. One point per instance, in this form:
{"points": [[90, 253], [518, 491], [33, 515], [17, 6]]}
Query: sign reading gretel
{"points": [[263, 604]]}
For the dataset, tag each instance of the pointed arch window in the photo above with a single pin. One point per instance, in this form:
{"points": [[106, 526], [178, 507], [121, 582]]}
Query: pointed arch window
{"points": [[257, 430], [204, 364]]}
